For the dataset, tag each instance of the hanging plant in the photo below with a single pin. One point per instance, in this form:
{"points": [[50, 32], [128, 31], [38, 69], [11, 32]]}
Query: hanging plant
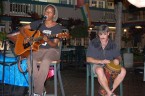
{"points": [[80, 31]]}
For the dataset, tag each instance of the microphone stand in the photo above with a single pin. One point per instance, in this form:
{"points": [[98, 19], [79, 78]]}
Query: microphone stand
{"points": [[31, 87], [4, 53]]}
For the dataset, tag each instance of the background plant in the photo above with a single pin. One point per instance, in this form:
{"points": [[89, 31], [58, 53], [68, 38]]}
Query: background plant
{"points": [[3, 36]]}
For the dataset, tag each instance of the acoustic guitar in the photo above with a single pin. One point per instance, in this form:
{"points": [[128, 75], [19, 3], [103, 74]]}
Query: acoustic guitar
{"points": [[23, 49]]}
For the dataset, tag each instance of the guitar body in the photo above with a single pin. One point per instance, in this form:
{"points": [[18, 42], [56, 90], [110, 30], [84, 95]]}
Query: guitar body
{"points": [[19, 47], [23, 49]]}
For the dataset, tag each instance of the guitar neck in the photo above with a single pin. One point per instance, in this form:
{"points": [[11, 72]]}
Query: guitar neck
{"points": [[59, 35], [48, 36]]}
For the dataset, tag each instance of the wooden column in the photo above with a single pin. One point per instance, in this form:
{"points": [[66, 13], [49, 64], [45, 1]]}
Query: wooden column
{"points": [[7, 26], [118, 15]]}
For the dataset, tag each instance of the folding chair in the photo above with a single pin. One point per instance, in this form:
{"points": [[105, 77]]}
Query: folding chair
{"points": [[90, 73], [56, 66]]}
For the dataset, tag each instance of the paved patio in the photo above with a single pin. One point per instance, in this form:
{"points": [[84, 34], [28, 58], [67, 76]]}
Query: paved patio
{"points": [[74, 81]]}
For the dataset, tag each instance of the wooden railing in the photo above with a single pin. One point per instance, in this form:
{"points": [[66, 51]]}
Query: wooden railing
{"points": [[134, 16], [21, 8]]}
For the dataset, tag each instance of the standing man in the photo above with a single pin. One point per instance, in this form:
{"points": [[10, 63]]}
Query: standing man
{"points": [[48, 51], [101, 51]]}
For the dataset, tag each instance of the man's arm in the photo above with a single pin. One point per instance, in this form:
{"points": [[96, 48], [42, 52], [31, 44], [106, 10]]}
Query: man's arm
{"points": [[117, 60], [53, 43], [97, 61]]}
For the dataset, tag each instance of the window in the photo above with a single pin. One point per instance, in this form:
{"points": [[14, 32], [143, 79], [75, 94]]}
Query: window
{"points": [[18, 7], [71, 2], [93, 3], [53, 1], [100, 4], [110, 5]]}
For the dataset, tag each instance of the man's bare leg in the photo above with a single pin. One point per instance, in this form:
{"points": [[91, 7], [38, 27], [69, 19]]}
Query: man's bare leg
{"points": [[102, 80], [119, 79]]}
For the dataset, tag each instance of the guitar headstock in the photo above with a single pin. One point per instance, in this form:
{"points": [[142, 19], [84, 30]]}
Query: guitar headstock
{"points": [[63, 35]]}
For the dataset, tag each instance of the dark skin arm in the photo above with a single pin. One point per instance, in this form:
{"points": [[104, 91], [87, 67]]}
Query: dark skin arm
{"points": [[53, 43]]}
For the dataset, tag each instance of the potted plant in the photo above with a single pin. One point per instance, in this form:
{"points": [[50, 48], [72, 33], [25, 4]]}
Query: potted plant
{"points": [[3, 36]]}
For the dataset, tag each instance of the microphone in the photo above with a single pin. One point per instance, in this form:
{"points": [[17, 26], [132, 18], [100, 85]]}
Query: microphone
{"points": [[44, 18]]}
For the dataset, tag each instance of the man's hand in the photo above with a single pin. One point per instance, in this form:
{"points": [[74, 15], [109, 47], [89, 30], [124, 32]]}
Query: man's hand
{"points": [[116, 61], [26, 40], [105, 61], [45, 38]]}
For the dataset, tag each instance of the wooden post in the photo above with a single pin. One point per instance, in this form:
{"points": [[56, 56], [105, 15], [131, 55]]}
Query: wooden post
{"points": [[118, 15], [7, 26]]}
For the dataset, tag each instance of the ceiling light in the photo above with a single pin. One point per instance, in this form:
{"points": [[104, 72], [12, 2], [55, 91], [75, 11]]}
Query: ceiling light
{"points": [[138, 27], [137, 3], [112, 27], [90, 28], [125, 30], [25, 22]]}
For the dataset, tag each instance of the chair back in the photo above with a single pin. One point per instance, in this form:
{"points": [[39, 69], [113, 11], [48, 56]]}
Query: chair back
{"points": [[60, 47]]}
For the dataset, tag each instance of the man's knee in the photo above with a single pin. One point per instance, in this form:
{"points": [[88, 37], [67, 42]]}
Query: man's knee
{"points": [[99, 70], [123, 72]]}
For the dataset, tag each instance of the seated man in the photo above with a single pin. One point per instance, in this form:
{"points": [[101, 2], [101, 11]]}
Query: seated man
{"points": [[101, 51], [48, 50]]}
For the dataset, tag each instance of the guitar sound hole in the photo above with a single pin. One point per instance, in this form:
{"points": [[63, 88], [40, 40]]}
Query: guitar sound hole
{"points": [[26, 45]]}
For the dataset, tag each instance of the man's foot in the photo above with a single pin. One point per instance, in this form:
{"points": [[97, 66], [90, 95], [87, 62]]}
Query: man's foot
{"points": [[102, 91]]}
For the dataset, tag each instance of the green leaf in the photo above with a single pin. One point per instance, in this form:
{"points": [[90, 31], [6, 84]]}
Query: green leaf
{"points": [[3, 36]]}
